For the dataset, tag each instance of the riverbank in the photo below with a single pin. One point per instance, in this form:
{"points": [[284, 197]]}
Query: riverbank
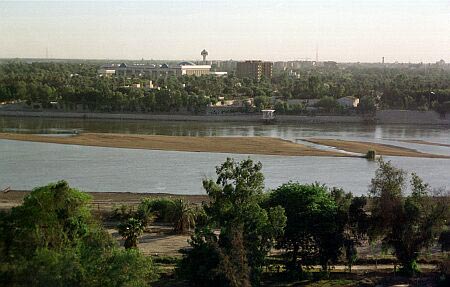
{"points": [[248, 118], [236, 145], [380, 149], [101, 200], [381, 117]]}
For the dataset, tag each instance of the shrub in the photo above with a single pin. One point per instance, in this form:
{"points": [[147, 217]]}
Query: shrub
{"points": [[52, 240], [371, 155]]}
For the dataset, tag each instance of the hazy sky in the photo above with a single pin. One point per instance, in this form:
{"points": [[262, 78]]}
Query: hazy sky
{"points": [[343, 30]]}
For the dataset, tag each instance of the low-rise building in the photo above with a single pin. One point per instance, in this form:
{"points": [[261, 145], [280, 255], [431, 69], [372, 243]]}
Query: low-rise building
{"points": [[106, 72], [155, 71], [348, 102]]}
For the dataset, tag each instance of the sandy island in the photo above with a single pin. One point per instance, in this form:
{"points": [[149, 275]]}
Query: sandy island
{"points": [[239, 145], [381, 149], [425, 143]]}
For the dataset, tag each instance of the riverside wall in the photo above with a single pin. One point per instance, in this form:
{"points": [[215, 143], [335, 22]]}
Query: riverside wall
{"points": [[411, 117], [381, 117]]}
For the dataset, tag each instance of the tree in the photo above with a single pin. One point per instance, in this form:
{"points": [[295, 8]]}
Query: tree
{"points": [[182, 216], [367, 105], [329, 104], [386, 192], [234, 206], [130, 231], [312, 233], [53, 240], [354, 221], [407, 224]]}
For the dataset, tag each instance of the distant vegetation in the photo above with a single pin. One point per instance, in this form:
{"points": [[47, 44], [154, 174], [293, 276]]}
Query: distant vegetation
{"points": [[78, 87], [52, 239]]}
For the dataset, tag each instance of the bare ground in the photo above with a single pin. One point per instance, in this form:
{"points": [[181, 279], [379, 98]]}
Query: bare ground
{"points": [[240, 145]]}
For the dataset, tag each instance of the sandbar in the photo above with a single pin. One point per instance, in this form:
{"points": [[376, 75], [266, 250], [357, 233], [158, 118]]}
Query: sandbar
{"points": [[236, 145], [380, 149]]}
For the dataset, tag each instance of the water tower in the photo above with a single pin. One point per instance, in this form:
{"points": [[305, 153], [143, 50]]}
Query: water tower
{"points": [[204, 53]]}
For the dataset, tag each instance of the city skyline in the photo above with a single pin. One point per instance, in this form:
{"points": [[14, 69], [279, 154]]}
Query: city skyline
{"points": [[342, 31]]}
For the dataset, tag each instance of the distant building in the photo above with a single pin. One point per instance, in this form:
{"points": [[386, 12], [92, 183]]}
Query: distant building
{"points": [[156, 71], [254, 69], [106, 72], [218, 74], [268, 115], [348, 102]]}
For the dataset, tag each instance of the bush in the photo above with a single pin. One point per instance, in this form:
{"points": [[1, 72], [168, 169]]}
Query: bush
{"points": [[53, 240], [158, 207], [122, 212], [371, 155]]}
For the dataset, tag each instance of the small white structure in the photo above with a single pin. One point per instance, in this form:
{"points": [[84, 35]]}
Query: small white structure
{"points": [[268, 115]]}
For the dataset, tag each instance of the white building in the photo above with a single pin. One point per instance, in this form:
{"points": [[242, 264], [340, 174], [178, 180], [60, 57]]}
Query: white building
{"points": [[156, 71]]}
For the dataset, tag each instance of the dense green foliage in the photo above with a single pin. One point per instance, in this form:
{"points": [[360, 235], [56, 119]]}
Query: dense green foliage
{"points": [[181, 214], [407, 224], [130, 230], [78, 87], [320, 224], [239, 231], [389, 88], [52, 240]]}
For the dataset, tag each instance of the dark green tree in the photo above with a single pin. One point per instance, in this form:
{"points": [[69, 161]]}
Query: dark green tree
{"points": [[234, 208], [407, 224], [52, 240], [313, 233]]}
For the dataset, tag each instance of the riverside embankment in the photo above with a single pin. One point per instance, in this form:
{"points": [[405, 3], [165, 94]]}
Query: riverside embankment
{"points": [[381, 117]]}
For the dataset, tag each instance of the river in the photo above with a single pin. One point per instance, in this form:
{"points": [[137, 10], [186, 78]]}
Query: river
{"points": [[24, 165]]}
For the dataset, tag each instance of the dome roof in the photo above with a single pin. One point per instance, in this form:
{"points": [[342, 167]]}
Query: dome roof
{"points": [[186, 63]]}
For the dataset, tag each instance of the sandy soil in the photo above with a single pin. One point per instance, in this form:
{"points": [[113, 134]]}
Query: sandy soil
{"points": [[425, 143], [241, 145], [381, 149]]}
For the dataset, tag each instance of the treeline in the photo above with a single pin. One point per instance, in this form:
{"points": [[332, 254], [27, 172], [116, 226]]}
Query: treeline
{"points": [[309, 223], [78, 87], [53, 240]]}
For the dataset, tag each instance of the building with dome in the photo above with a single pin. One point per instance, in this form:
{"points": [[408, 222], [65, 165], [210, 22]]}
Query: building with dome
{"points": [[155, 71]]}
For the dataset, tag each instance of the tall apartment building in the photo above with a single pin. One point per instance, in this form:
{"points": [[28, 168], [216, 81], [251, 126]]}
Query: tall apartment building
{"points": [[254, 69]]}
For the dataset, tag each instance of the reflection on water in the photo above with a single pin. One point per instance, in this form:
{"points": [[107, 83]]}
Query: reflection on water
{"points": [[24, 165], [388, 134], [286, 131]]}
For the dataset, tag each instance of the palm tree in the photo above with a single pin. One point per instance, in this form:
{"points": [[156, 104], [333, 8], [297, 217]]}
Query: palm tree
{"points": [[182, 215], [130, 231]]}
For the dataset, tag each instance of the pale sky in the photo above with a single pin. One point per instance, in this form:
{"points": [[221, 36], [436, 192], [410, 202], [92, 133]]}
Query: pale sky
{"points": [[342, 30]]}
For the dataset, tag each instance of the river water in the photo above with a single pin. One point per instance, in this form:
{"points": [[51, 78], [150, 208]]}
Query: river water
{"points": [[24, 165]]}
